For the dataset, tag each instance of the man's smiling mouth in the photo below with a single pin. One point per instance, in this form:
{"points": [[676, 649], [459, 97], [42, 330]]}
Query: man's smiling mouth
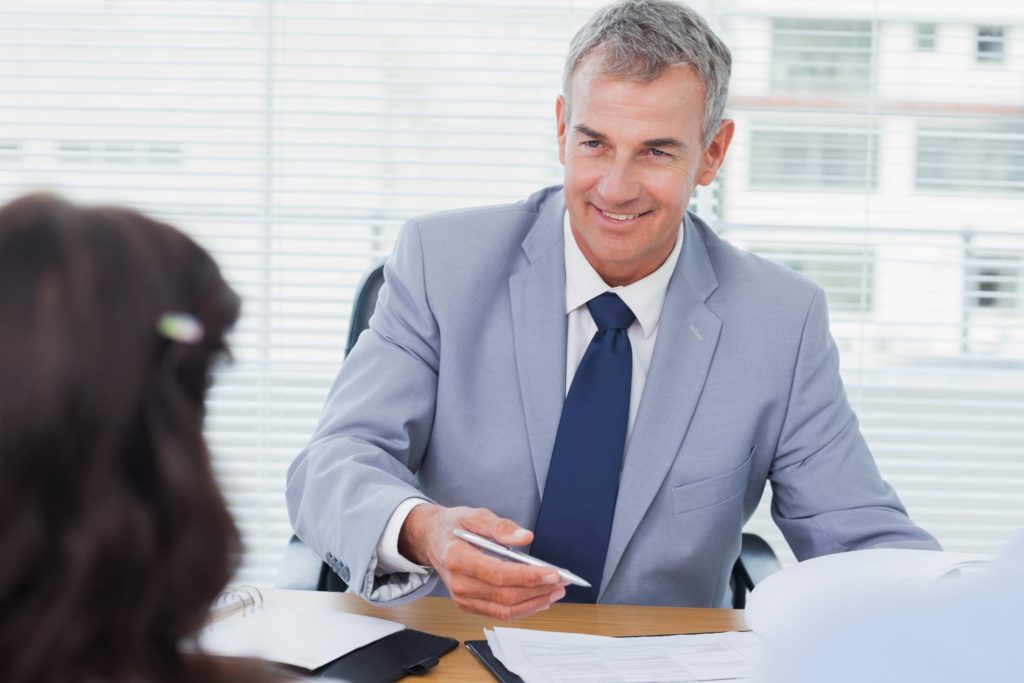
{"points": [[622, 216]]}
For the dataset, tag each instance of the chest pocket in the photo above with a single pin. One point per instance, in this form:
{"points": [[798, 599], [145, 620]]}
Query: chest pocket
{"points": [[698, 495]]}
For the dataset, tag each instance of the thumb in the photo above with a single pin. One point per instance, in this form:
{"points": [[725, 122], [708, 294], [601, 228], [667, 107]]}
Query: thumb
{"points": [[502, 530], [509, 533]]}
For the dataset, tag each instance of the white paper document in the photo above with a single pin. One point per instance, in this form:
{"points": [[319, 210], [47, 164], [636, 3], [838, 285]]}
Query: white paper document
{"points": [[305, 637], [550, 657]]}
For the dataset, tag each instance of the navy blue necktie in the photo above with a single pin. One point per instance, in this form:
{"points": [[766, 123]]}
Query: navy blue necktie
{"points": [[575, 519]]}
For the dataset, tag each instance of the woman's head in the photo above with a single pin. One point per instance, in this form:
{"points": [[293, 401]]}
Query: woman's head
{"points": [[114, 537]]}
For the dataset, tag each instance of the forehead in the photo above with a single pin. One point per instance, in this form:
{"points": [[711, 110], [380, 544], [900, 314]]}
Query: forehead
{"points": [[670, 105]]}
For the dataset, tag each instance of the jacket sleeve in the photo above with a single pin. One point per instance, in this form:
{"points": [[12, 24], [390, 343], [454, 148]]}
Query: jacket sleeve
{"points": [[363, 457], [828, 495]]}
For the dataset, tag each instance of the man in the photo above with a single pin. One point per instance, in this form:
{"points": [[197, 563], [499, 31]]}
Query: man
{"points": [[593, 364]]}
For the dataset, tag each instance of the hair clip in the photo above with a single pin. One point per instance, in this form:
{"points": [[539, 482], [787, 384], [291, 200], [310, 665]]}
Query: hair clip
{"points": [[180, 327]]}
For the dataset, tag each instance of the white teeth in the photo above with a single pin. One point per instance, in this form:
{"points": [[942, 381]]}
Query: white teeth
{"points": [[620, 216]]}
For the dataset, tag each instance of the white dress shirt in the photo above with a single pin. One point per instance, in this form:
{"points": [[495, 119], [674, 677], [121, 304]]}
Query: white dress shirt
{"points": [[645, 298]]}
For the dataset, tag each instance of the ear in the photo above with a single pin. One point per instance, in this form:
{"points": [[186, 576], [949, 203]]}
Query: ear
{"points": [[560, 126], [714, 155]]}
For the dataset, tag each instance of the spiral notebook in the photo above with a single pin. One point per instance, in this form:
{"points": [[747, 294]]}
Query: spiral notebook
{"points": [[244, 624]]}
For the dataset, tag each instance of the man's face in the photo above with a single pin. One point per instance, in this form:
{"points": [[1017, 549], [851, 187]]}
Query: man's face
{"points": [[632, 154]]}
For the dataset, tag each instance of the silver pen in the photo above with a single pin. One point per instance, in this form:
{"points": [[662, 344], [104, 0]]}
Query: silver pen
{"points": [[518, 556]]}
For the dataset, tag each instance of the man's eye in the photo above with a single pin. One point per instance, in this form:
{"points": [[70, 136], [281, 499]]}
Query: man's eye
{"points": [[658, 153], [591, 144]]}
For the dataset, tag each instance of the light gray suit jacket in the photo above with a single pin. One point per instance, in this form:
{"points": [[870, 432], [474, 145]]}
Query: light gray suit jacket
{"points": [[455, 392]]}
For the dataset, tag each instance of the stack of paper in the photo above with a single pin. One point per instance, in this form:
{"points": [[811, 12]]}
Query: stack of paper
{"points": [[550, 656], [546, 656]]}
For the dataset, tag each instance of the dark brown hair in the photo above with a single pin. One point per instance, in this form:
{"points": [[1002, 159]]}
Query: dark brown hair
{"points": [[114, 537]]}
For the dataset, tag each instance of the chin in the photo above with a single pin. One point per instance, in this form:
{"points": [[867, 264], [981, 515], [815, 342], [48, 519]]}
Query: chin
{"points": [[614, 265], [616, 250]]}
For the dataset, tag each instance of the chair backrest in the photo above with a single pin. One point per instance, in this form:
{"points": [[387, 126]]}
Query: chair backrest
{"points": [[364, 303], [757, 560]]}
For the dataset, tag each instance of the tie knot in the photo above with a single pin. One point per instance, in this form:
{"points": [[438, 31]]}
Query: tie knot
{"points": [[610, 312]]}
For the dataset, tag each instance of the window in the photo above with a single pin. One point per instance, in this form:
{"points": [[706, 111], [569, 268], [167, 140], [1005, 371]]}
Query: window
{"points": [[822, 157], [924, 39], [993, 302], [119, 153], [994, 280], [970, 157], [923, 160], [293, 138], [9, 151], [822, 55], [991, 47], [845, 273]]}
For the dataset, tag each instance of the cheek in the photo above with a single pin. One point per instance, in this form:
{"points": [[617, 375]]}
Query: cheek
{"points": [[670, 188], [580, 174]]}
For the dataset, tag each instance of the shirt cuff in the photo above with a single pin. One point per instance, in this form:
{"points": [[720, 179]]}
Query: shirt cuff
{"points": [[389, 560], [396, 589]]}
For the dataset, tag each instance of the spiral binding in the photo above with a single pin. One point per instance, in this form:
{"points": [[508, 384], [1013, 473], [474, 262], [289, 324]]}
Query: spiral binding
{"points": [[244, 599]]}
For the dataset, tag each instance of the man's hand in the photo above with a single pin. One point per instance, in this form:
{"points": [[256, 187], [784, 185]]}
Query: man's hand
{"points": [[478, 582]]}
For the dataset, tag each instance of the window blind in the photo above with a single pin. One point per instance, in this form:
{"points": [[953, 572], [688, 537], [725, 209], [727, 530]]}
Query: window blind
{"points": [[876, 152], [291, 139]]}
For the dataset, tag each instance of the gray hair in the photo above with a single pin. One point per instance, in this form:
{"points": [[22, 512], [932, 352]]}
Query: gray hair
{"points": [[641, 39]]}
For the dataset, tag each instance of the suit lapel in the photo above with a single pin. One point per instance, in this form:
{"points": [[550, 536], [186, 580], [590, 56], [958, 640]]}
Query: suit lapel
{"points": [[539, 332], [687, 336]]}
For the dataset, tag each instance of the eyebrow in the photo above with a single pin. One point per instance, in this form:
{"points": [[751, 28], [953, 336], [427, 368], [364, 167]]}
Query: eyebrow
{"points": [[586, 130], [665, 142], [583, 129]]}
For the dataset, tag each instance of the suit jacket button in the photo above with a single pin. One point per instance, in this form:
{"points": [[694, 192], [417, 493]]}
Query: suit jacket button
{"points": [[344, 573]]}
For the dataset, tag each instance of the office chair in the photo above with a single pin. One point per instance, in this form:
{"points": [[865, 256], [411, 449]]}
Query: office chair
{"points": [[302, 569], [366, 300], [756, 561]]}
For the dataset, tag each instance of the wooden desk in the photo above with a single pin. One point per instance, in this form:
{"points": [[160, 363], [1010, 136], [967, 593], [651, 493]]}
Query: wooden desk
{"points": [[441, 616]]}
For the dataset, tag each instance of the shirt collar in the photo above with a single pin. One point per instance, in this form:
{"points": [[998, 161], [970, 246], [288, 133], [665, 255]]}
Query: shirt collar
{"points": [[645, 297]]}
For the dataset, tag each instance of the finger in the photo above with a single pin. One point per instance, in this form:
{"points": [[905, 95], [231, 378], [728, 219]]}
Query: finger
{"points": [[464, 558], [504, 531], [470, 587], [504, 612]]}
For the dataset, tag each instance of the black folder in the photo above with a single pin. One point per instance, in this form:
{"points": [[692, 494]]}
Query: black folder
{"points": [[482, 651], [393, 657]]}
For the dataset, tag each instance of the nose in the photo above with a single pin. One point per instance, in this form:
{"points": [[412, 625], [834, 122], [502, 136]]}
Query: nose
{"points": [[618, 185]]}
